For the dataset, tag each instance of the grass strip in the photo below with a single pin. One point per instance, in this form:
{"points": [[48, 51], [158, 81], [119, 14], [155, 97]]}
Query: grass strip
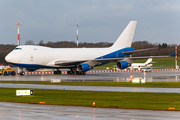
{"points": [[149, 101], [115, 84]]}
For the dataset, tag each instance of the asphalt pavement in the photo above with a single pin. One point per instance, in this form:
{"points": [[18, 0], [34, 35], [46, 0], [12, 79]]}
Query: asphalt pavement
{"points": [[22, 111]]}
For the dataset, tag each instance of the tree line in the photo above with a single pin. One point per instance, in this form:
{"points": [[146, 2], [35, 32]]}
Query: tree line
{"points": [[162, 49]]}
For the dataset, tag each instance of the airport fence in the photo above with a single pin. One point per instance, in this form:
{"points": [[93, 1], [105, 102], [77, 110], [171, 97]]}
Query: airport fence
{"points": [[100, 71]]}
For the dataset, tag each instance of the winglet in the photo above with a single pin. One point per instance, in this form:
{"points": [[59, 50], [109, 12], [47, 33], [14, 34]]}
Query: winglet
{"points": [[171, 55]]}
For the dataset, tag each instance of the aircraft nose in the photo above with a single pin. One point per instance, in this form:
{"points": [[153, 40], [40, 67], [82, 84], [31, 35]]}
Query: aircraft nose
{"points": [[8, 58]]}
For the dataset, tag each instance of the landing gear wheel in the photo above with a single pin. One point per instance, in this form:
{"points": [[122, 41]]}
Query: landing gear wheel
{"points": [[70, 72], [74, 71], [55, 72], [21, 73], [77, 72], [58, 72], [80, 73], [83, 73]]}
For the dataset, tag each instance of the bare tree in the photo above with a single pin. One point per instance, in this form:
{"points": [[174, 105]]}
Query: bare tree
{"points": [[29, 42]]}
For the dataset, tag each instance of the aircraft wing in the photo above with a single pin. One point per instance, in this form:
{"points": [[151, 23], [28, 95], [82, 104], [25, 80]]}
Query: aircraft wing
{"points": [[107, 60], [132, 58]]}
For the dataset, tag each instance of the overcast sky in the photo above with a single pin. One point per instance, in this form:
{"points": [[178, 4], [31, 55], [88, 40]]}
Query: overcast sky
{"points": [[158, 21]]}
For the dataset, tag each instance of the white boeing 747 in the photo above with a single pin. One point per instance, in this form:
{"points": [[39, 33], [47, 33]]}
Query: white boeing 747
{"points": [[78, 60]]}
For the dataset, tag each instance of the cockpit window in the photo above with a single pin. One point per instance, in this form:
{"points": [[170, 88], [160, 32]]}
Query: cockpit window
{"points": [[17, 49]]}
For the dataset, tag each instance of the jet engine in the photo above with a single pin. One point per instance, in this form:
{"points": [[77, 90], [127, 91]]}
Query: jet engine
{"points": [[31, 69], [122, 64], [83, 67]]}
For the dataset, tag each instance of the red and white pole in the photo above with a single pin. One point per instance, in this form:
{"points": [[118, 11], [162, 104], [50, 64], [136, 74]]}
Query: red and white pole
{"points": [[176, 56], [77, 34], [18, 35], [19, 69]]}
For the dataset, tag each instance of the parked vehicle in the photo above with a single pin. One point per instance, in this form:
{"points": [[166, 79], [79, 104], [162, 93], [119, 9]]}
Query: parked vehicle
{"points": [[146, 69], [7, 72], [115, 68]]}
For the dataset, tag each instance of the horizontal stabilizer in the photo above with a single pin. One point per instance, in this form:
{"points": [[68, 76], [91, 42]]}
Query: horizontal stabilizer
{"points": [[138, 50], [173, 54]]}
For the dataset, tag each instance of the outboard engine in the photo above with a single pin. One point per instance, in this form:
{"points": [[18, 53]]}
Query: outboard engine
{"points": [[84, 67], [31, 69], [122, 64]]}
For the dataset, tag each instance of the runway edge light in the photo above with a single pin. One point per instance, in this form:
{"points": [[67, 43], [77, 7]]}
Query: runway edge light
{"points": [[94, 103], [41, 102], [171, 108]]}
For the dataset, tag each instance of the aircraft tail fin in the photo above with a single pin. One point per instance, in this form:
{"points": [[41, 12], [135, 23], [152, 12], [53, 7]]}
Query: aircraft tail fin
{"points": [[149, 61], [126, 37]]}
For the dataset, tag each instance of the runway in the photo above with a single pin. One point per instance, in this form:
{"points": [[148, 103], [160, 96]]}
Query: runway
{"points": [[155, 76], [21, 111], [92, 88], [160, 76]]}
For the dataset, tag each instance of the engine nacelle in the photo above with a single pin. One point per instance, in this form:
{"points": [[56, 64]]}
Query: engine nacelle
{"points": [[83, 67], [31, 69], [122, 64]]}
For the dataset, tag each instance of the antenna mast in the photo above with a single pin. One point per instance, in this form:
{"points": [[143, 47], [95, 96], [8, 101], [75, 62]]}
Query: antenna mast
{"points": [[77, 33], [18, 34]]}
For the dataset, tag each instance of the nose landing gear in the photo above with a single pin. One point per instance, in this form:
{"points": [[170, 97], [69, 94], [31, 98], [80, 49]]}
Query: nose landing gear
{"points": [[20, 71]]}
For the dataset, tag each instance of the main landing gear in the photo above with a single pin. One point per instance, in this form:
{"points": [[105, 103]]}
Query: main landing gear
{"points": [[58, 72], [74, 71]]}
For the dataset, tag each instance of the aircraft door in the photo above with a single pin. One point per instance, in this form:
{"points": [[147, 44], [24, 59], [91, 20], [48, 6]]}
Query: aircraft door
{"points": [[31, 57]]}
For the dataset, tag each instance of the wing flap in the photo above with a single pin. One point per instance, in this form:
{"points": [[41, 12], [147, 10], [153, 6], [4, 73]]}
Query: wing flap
{"points": [[66, 63]]}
